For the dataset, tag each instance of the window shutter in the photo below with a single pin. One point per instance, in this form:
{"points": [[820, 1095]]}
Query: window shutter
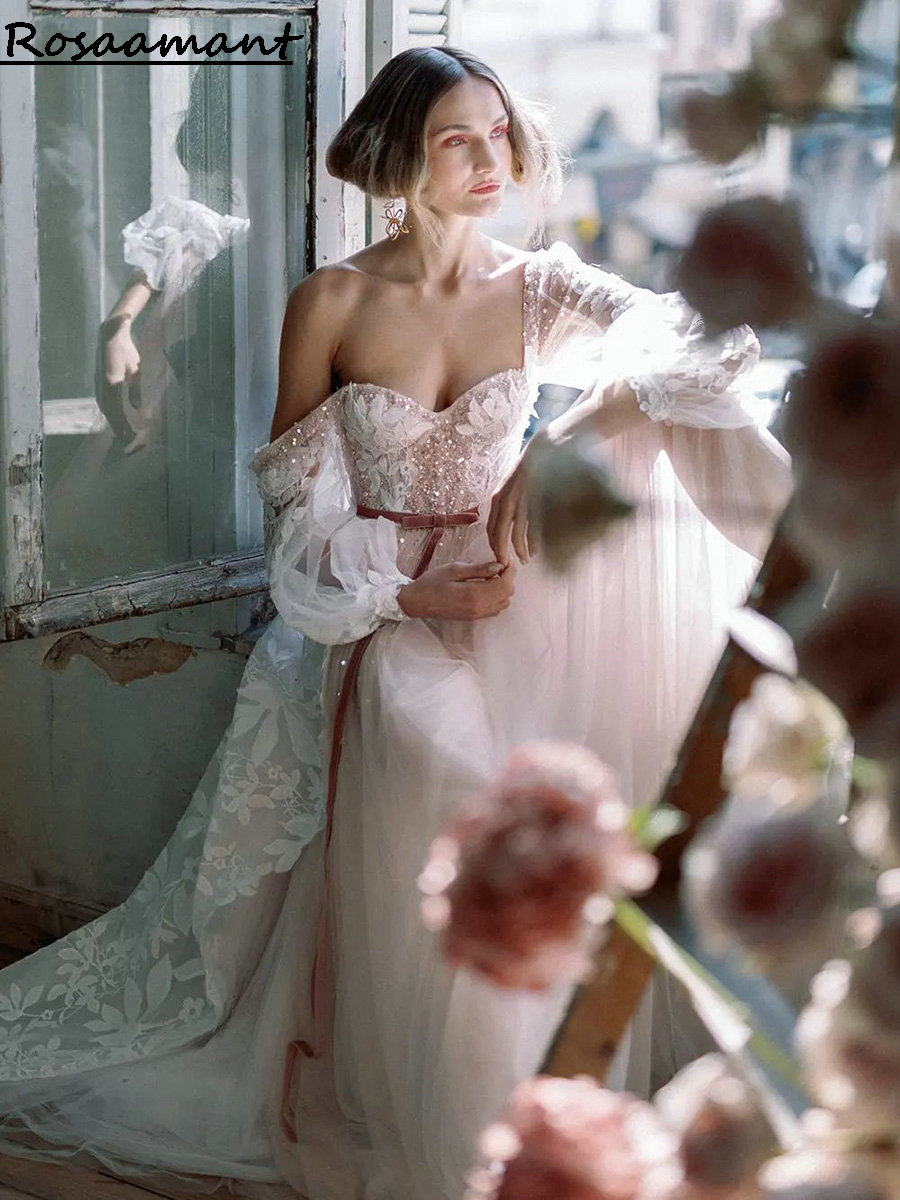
{"points": [[434, 22]]}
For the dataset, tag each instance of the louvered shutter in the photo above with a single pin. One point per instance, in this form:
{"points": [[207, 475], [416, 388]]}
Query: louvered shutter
{"points": [[434, 22]]}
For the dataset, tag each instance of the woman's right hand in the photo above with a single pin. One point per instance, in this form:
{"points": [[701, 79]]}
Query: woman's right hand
{"points": [[121, 359], [459, 591]]}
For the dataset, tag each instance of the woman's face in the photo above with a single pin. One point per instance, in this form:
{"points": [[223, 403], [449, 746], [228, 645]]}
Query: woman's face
{"points": [[467, 140]]}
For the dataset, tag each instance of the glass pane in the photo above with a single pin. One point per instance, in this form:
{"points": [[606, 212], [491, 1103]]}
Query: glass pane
{"points": [[174, 192]]}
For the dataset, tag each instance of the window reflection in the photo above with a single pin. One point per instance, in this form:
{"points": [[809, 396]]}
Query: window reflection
{"points": [[157, 366]]}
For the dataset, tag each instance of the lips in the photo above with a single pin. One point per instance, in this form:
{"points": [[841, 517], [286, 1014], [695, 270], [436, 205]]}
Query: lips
{"points": [[485, 188]]}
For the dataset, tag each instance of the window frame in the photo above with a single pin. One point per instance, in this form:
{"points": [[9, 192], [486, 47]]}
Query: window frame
{"points": [[334, 228]]}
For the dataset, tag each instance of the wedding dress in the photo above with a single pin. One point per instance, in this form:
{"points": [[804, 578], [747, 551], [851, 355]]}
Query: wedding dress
{"points": [[260, 1009]]}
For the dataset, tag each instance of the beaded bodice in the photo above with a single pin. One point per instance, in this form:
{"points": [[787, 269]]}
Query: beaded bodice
{"points": [[400, 455], [403, 456]]}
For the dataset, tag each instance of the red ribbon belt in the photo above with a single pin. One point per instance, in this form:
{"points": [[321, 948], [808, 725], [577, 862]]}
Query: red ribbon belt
{"points": [[322, 982]]}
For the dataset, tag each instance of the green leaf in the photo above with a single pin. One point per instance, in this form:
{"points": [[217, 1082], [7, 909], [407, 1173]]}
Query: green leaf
{"points": [[652, 824], [727, 1019]]}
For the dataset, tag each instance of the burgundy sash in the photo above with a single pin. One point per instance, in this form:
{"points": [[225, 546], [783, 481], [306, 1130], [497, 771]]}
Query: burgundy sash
{"points": [[322, 982]]}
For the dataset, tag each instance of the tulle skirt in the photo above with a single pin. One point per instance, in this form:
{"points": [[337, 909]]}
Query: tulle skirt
{"points": [[184, 1068]]}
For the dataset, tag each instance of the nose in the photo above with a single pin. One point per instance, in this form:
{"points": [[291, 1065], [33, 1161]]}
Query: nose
{"points": [[486, 158]]}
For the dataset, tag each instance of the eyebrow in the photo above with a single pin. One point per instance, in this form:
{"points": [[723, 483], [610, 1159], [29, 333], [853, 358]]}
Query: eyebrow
{"points": [[444, 128]]}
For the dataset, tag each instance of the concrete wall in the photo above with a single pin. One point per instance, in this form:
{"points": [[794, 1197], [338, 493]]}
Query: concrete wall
{"points": [[94, 775]]}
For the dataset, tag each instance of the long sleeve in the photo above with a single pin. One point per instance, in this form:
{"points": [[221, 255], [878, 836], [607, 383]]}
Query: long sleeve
{"points": [[704, 458], [332, 575], [657, 342], [173, 241]]}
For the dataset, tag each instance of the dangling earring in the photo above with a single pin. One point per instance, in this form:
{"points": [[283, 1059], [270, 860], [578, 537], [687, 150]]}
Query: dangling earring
{"points": [[394, 219]]}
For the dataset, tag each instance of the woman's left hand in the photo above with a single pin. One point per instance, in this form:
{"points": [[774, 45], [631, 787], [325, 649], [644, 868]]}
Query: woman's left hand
{"points": [[508, 519]]}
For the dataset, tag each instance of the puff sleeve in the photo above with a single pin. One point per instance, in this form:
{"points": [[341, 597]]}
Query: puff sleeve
{"points": [[173, 241], [656, 342], [704, 460], [332, 575]]}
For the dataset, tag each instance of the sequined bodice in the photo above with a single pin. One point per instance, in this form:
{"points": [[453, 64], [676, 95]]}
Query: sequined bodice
{"points": [[405, 457]]}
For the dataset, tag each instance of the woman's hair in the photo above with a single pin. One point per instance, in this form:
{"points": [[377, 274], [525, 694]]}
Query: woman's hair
{"points": [[381, 147]]}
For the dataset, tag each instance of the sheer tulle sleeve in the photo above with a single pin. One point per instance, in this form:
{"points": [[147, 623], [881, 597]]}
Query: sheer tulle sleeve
{"points": [[332, 575], [173, 241], [704, 460], [657, 342]]}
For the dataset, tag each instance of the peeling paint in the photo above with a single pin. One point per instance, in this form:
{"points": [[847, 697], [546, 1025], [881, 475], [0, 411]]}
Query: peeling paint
{"points": [[122, 662]]}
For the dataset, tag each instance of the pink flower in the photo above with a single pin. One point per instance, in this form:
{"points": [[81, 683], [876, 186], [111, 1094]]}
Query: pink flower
{"points": [[769, 880], [520, 883], [721, 125], [747, 264], [569, 1139], [817, 1175], [843, 415], [852, 654], [725, 1137]]}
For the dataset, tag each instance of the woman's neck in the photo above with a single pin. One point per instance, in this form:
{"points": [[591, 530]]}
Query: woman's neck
{"points": [[466, 253]]}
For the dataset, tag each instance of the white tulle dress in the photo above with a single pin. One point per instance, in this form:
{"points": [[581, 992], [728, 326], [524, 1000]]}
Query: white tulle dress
{"points": [[177, 1032]]}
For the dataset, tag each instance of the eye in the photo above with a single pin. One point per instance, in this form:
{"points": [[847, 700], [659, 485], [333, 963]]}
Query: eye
{"points": [[503, 129]]}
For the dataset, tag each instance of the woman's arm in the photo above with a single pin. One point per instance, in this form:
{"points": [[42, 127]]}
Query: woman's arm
{"points": [[654, 366], [332, 574], [317, 310]]}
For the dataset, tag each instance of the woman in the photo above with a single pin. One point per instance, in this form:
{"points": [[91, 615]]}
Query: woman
{"points": [[281, 1013]]}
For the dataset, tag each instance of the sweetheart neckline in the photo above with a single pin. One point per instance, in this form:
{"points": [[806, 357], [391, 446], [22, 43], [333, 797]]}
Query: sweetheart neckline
{"points": [[431, 412], [527, 349]]}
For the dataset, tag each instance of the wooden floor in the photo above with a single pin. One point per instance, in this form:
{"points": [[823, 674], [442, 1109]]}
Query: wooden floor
{"points": [[24, 1179], [27, 1179]]}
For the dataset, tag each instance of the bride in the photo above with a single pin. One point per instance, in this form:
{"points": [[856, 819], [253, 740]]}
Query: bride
{"points": [[266, 1005]]}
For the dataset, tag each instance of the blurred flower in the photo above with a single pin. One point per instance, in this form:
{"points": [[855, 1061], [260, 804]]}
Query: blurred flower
{"points": [[852, 654], [874, 824], [843, 415], [835, 522], [784, 736], [849, 1065], [572, 496], [794, 56], [724, 1134], [848, 1037], [570, 1139], [814, 1175], [521, 883], [875, 983], [720, 125], [768, 879], [747, 264]]}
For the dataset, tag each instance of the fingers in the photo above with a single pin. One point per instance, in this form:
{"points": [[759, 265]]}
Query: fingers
{"points": [[502, 528], [479, 571], [520, 530]]}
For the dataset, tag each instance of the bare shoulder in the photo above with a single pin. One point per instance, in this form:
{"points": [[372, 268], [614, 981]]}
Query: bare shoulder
{"points": [[323, 294], [316, 315]]}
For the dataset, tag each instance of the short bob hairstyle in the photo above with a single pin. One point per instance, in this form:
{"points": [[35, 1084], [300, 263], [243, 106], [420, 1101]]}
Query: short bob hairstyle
{"points": [[381, 147]]}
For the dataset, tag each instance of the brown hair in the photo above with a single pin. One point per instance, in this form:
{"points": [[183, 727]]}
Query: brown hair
{"points": [[381, 146]]}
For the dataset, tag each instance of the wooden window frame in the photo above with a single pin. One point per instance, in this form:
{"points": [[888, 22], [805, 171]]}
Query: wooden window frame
{"points": [[335, 228]]}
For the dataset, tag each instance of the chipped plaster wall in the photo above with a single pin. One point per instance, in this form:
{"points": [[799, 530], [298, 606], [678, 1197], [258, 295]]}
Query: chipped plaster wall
{"points": [[95, 774]]}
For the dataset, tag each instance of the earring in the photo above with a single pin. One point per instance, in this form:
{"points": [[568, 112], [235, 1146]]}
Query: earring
{"points": [[395, 222]]}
